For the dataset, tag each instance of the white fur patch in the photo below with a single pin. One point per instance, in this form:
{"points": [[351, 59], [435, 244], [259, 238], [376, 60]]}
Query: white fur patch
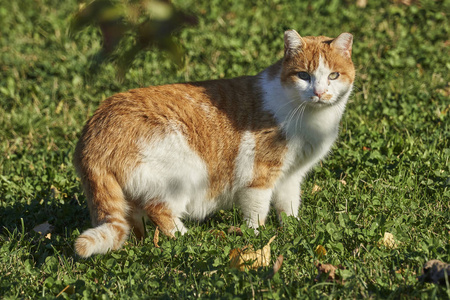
{"points": [[319, 81], [274, 97], [245, 160], [255, 204], [286, 196], [173, 173], [104, 239]]}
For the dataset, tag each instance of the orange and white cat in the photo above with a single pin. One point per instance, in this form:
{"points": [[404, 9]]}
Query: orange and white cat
{"points": [[187, 150]]}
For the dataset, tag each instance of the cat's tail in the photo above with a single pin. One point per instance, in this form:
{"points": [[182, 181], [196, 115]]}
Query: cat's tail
{"points": [[108, 209]]}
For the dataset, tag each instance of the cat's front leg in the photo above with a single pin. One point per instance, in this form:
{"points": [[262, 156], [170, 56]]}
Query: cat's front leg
{"points": [[286, 196], [255, 205]]}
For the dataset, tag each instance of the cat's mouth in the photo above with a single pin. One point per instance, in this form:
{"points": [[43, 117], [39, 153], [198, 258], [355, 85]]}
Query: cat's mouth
{"points": [[325, 100]]}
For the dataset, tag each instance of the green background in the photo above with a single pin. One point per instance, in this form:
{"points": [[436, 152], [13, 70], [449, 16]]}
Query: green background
{"points": [[388, 172]]}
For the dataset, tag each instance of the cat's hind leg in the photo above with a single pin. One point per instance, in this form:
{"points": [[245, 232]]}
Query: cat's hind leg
{"points": [[162, 216], [108, 209], [137, 217]]}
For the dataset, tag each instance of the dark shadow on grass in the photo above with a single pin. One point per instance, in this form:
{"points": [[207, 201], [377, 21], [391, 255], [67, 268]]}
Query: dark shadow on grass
{"points": [[65, 214]]}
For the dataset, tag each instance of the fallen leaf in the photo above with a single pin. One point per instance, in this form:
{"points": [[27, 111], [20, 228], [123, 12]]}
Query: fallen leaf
{"points": [[247, 258], [328, 272], [209, 273], [315, 189], [278, 263], [389, 241], [43, 229], [320, 251], [54, 192], [156, 237], [433, 271], [276, 266], [235, 230], [217, 233]]}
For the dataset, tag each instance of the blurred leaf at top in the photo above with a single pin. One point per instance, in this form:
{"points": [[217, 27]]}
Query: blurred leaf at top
{"points": [[131, 26]]}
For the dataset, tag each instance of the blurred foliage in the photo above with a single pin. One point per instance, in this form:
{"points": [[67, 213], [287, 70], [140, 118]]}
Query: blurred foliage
{"points": [[131, 26]]}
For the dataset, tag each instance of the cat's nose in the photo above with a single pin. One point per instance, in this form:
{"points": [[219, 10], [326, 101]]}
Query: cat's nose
{"points": [[319, 93]]}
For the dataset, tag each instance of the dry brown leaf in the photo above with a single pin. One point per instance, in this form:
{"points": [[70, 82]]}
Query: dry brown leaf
{"points": [[389, 241], [156, 237], [278, 263], [343, 182], [315, 189], [320, 251], [209, 273], [276, 266], [235, 230], [247, 258], [43, 229], [328, 272], [217, 233], [433, 271], [54, 192]]}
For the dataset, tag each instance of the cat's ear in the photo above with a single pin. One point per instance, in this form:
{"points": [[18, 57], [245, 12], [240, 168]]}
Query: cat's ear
{"points": [[293, 42], [343, 43]]}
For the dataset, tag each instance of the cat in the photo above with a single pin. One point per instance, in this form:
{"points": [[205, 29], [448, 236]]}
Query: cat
{"points": [[187, 150]]}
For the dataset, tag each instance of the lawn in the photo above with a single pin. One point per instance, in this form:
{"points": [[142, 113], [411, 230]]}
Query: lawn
{"points": [[389, 172]]}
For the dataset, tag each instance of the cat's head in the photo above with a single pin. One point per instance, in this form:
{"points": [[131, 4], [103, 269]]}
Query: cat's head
{"points": [[317, 70]]}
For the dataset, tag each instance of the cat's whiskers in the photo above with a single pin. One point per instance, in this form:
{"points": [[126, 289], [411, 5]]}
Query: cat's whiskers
{"points": [[300, 117], [292, 115], [282, 106], [290, 118]]}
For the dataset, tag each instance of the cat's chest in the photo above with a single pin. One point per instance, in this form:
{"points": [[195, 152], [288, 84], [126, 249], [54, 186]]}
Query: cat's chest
{"points": [[307, 147]]}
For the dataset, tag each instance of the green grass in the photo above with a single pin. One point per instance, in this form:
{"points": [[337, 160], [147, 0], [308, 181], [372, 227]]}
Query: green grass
{"points": [[389, 171]]}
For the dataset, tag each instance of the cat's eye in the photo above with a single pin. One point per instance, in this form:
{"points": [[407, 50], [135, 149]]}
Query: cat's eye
{"points": [[304, 76], [333, 75]]}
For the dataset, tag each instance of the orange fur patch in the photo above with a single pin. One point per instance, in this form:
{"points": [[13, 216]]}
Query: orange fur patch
{"points": [[270, 150], [162, 217]]}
